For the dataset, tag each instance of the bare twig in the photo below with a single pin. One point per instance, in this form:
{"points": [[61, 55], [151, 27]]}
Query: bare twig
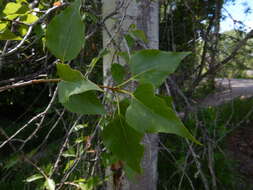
{"points": [[22, 84]]}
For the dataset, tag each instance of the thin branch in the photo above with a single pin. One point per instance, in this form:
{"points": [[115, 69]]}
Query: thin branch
{"points": [[16, 48], [41, 81], [22, 84], [226, 60]]}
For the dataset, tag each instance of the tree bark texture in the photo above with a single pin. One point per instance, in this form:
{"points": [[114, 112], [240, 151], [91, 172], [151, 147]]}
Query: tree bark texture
{"points": [[144, 14]]}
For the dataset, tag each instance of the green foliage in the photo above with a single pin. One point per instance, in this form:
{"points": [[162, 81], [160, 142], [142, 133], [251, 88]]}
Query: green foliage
{"points": [[154, 65], [119, 137], [148, 113], [125, 124], [218, 124], [21, 11], [12, 8], [33, 178], [118, 72], [85, 103], [65, 33], [8, 35], [75, 92], [49, 184]]}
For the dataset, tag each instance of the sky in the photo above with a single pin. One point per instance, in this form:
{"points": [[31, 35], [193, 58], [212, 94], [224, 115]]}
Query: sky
{"points": [[236, 10]]}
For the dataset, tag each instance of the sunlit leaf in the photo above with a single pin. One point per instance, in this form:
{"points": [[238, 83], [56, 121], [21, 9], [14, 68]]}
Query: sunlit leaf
{"points": [[23, 30], [65, 33], [3, 25], [29, 19], [69, 164], [69, 153], [12, 8], [80, 126], [49, 184], [34, 178]]}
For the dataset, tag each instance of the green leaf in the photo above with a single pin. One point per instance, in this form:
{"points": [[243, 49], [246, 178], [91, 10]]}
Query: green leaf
{"points": [[120, 138], [130, 41], [149, 113], [65, 33], [75, 92], [21, 1], [50, 184], [12, 8], [80, 126], [67, 89], [8, 35], [84, 186], [74, 83], [154, 66], [34, 178], [3, 25], [23, 30], [67, 73], [69, 153], [29, 18], [124, 55], [139, 34], [118, 72], [69, 164], [85, 103]]}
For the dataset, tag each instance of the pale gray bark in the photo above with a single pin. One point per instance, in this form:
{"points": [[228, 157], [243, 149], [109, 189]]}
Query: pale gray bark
{"points": [[148, 21], [144, 14]]}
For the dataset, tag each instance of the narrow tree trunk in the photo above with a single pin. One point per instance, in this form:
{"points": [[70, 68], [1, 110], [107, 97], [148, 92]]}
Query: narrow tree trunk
{"points": [[148, 21], [144, 14]]}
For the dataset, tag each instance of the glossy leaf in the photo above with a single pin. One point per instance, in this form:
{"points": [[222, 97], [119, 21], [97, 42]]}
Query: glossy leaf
{"points": [[149, 113], [65, 33], [34, 178], [120, 138], [118, 72], [153, 66]]}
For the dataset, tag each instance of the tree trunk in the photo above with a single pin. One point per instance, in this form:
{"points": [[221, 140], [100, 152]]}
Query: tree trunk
{"points": [[144, 14]]}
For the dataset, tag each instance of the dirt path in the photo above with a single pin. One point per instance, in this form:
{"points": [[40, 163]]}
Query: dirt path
{"points": [[229, 89]]}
